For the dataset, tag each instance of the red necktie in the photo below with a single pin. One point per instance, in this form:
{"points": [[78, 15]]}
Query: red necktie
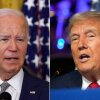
{"points": [[94, 85]]}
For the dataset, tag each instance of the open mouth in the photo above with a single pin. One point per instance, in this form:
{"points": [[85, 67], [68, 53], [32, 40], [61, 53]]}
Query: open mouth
{"points": [[11, 59], [84, 57]]}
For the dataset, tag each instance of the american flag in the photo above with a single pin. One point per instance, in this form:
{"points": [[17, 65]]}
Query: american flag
{"points": [[38, 56]]}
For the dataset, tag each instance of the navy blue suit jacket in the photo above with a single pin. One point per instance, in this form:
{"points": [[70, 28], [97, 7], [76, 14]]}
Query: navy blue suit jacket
{"points": [[34, 88], [70, 80]]}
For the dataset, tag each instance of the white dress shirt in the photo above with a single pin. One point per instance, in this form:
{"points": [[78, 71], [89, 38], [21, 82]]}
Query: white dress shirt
{"points": [[15, 85], [86, 83]]}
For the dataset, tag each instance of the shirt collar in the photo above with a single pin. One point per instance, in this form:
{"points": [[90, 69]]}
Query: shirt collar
{"points": [[86, 83], [16, 81]]}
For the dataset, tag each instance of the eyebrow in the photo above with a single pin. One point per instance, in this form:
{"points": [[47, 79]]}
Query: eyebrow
{"points": [[86, 32], [89, 31], [7, 36], [73, 34]]}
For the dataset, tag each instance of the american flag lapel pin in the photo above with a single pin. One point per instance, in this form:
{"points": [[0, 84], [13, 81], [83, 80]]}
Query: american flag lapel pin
{"points": [[32, 92]]}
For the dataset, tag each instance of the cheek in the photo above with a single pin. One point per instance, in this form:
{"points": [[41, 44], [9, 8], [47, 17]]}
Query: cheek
{"points": [[74, 50], [3, 49], [95, 48], [23, 50], [96, 53]]}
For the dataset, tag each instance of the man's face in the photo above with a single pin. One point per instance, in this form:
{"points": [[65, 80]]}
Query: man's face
{"points": [[13, 43], [85, 46]]}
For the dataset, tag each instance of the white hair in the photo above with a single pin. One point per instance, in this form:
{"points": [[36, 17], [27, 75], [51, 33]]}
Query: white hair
{"points": [[8, 11]]}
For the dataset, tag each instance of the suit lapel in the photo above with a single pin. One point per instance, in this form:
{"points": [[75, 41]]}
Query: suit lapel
{"points": [[76, 80], [30, 89]]}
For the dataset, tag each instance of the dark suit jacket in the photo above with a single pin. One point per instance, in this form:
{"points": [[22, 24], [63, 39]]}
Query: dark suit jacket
{"points": [[34, 88], [70, 80]]}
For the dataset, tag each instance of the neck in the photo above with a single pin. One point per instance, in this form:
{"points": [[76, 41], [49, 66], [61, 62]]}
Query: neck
{"points": [[92, 77]]}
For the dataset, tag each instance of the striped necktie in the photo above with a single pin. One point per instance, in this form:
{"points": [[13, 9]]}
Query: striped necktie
{"points": [[4, 86]]}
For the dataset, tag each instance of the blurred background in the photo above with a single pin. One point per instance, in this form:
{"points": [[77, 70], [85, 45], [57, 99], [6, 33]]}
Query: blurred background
{"points": [[37, 14], [61, 60]]}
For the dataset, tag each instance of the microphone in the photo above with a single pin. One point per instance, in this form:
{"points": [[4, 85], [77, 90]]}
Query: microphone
{"points": [[5, 96]]}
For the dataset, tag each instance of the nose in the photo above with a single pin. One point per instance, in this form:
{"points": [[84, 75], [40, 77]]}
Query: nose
{"points": [[13, 46], [82, 44]]}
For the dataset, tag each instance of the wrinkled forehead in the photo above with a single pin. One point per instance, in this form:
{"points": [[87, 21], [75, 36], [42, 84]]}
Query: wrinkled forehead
{"points": [[13, 21], [85, 26], [84, 21], [10, 17], [13, 14], [14, 25]]}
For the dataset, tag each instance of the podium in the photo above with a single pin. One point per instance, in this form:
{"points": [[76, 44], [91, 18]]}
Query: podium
{"points": [[74, 94]]}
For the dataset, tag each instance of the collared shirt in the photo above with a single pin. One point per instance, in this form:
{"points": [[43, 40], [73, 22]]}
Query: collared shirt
{"points": [[86, 83], [15, 85]]}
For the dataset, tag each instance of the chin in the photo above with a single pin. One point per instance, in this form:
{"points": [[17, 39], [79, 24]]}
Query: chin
{"points": [[85, 68], [11, 69]]}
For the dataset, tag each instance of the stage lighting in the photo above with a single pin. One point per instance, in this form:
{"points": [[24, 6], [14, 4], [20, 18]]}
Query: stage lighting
{"points": [[60, 43]]}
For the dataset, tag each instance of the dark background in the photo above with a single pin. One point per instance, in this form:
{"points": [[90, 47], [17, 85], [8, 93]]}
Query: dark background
{"points": [[61, 60]]}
